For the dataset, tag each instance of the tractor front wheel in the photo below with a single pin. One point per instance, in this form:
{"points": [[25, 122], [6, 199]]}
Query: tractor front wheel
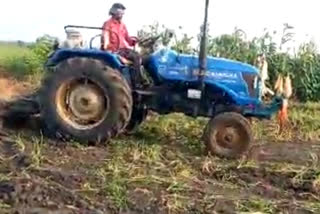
{"points": [[85, 100], [228, 135]]}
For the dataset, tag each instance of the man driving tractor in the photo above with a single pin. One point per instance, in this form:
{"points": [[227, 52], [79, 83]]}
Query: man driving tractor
{"points": [[115, 38]]}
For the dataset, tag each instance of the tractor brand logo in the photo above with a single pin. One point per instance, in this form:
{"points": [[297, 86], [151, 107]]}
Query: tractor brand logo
{"points": [[216, 74], [228, 75]]}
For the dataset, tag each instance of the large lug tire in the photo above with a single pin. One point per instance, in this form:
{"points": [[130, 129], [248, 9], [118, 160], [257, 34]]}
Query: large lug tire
{"points": [[85, 100], [228, 135]]}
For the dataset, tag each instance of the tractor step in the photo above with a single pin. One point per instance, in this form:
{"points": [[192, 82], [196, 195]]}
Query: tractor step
{"points": [[145, 92], [152, 91]]}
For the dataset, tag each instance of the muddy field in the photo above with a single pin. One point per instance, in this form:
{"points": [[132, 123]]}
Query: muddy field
{"points": [[159, 169]]}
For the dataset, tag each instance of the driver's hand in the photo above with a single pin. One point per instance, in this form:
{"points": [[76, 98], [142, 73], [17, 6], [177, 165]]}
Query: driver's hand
{"points": [[134, 40]]}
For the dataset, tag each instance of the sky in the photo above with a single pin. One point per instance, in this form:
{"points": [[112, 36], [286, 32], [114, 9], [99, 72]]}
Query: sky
{"points": [[27, 20]]}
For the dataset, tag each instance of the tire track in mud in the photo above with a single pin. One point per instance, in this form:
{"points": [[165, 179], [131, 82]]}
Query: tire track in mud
{"points": [[298, 153], [280, 170], [284, 176]]}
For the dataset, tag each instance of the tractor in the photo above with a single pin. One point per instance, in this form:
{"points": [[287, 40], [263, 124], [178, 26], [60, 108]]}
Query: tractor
{"points": [[90, 95]]}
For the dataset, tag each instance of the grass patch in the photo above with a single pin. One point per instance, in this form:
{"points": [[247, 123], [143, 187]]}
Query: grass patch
{"points": [[306, 120], [313, 207], [37, 153], [256, 205], [4, 177], [303, 125], [8, 50], [4, 206], [23, 62], [12, 58], [135, 164]]}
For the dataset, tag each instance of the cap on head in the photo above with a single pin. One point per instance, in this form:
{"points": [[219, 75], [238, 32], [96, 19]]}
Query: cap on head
{"points": [[114, 10]]}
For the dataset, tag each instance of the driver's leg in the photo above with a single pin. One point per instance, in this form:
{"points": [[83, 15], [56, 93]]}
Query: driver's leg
{"points": [[137, 62]]}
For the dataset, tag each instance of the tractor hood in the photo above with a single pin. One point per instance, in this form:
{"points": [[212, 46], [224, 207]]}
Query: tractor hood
{"points": [[230, 65], [167, 64], [215, 63], [236, 78]]}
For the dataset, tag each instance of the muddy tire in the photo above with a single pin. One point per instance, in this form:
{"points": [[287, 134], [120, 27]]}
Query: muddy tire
{"points": [[85, 100], [228, 135]]}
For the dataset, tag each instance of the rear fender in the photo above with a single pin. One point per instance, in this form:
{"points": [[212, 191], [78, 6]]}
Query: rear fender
{"points": [[108, 58], [63, 54]]}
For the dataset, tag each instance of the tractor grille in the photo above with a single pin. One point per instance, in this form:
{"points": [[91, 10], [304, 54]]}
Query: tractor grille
{"points": [[250, 79]]}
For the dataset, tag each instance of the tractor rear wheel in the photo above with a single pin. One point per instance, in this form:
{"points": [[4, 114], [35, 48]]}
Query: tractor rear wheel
{"points": [[85, 100], [228, 135]]}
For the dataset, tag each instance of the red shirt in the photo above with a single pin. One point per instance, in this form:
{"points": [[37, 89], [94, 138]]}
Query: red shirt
{"points": [[117, 34]]}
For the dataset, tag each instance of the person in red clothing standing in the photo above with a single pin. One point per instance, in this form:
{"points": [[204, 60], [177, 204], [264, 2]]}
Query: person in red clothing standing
{"points": [[115, 38]]}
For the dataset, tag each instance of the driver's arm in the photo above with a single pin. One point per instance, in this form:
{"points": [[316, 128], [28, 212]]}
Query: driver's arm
{"points": [[105, 35]]}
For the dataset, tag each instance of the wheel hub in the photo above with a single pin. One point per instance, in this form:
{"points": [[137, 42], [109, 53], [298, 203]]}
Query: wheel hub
{"points": [[228, 137], [86, 102], [82, 103]]}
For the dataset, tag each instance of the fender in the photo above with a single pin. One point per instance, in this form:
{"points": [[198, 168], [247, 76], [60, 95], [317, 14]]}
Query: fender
{"points": [[63, 54]]}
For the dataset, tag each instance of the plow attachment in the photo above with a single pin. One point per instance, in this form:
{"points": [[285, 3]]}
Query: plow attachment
{"points": [[18, 110]]}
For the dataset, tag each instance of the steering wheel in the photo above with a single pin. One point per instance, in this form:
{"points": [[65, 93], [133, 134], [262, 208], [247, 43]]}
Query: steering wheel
{"points": [[149, 40]]}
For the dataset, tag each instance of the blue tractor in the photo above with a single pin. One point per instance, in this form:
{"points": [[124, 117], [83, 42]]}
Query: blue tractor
{"points": [[90, 95]]}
